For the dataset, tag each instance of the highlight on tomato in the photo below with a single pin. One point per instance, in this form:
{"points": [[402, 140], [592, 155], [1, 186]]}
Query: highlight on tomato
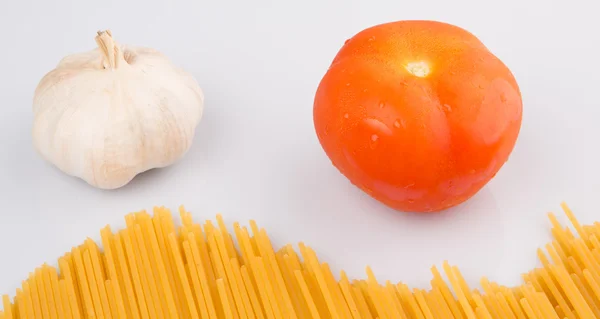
{"points": [[418, 114]]}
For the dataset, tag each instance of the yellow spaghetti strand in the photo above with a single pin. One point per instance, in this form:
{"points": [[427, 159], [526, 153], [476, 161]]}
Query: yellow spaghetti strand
{"points": [[182, 276], [22, 313], [314, 265], [287, 268], [314, 312], [55, 290], [98, 276], [335, 289], [570, 288], [448, 297], [347, 292], [7, 307], [89, 271], [202, 276], [224, 300], [27, 300], [156, 227], [235, 266], [134, 250], [88, 306], [45, 279], [466, 306], [106, 236], [112, 302], [155, 263], [41, 292], [144, 260], [423, 304], [67, 287], [256, 305], [438, 298], [220, 271], [267, 251], [412, 301], [270, 293], [125, 277], [222, 252], [140, 296], [193, 271]]}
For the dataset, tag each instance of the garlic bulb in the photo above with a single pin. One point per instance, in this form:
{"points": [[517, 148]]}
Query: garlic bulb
{"points": [[111, 113]]}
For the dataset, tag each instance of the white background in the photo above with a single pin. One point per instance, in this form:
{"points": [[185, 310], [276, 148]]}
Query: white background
{"points": [[256, 154]]}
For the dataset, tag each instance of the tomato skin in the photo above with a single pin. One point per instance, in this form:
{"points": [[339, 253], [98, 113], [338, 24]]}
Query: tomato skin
{"points": [[414, 141]]}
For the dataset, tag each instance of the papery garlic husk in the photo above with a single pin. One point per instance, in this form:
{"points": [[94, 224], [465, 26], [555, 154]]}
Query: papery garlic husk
{"points": [[111, 113]]}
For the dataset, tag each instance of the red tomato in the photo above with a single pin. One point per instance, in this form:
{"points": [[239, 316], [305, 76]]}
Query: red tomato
{"points": [[418, 114]]}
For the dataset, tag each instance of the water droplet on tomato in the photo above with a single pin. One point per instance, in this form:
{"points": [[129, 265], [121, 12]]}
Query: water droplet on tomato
{"points": [[346, 116], [374, 139], [411, 201], [381, 105], [400, 123], [365, 90], [348, 84], [448, 107], [346, 42]]}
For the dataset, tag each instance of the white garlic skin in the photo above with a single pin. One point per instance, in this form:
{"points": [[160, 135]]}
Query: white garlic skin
{"points": [[108, 114]]}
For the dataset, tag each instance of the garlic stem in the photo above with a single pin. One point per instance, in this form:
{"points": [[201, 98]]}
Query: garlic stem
{"points": [[113, 55]]}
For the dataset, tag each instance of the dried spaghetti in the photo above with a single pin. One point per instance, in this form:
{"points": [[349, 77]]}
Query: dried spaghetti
{"points": [[154, 268]]}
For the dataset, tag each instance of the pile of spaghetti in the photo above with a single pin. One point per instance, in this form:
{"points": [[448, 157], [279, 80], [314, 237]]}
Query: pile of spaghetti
{"points": [[156, 269]]}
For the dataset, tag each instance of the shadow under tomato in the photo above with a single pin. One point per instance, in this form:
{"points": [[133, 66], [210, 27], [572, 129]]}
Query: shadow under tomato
{"points": [[350, 230], [470, 236]]}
